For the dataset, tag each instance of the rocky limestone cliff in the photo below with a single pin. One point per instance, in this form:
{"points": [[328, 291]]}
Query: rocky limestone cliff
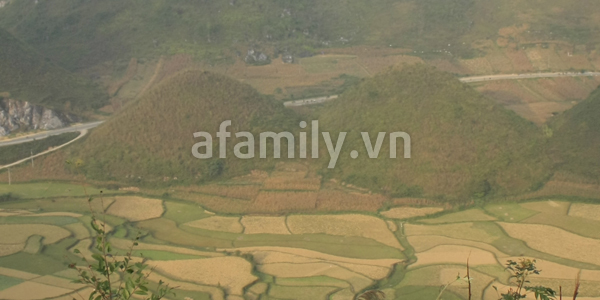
{"points": [[23, 116]]}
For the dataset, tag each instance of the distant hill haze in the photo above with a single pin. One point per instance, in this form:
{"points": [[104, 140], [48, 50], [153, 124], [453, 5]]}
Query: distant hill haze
{"points": [[82, 34], [27, 76]]}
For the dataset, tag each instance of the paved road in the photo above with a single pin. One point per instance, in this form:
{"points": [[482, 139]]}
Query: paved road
{"points": [[83, 132], [526, 76], [45, 134], [309, 101], [318, 100]]}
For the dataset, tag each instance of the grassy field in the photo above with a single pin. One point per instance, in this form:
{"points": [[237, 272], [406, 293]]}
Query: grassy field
{"points": [[47, 190], [315, 257]]}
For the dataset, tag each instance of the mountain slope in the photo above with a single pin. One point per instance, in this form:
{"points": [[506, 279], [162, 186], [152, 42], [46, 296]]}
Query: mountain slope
{"points": [[463, 144], [79, 34], [576, 138], [153, 137], [27, 76]]}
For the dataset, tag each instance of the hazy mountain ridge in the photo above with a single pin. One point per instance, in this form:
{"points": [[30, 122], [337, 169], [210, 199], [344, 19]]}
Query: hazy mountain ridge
{"points": [[81, 34], [27, 76]]}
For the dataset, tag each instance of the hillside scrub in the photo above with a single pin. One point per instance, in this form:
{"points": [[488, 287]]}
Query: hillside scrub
{"points": [[28, 76], [151, 140], [463, 144]]}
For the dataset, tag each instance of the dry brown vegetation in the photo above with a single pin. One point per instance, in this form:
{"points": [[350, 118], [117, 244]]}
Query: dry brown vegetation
{"points": [[136, 208], [392, 226], [276, 202], [499, 62], [538, 100], [410, 212], [330, 200], [263, 224], [231, 273], [478, 65], [292, 183], [264, 257], [422, 243], [217, 203], [218, 223], [418, 202], [125, 244], [17, 274], [8, 249], [464, 231], [79, 230], [214, 292], [59, 282], [291, 270], [344, 225], [471, 215], [454, 254], [309, 254], [562, 244], [356, 265], [550, 207], [32, 290], [19, 233], [587, 211], [247, 192]]}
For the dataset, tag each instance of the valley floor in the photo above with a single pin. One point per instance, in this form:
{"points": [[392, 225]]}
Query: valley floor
{"points": [[407, 252]]}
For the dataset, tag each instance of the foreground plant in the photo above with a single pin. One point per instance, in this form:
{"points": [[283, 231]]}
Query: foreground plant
{"points": [[520, 272], [112, 277]]}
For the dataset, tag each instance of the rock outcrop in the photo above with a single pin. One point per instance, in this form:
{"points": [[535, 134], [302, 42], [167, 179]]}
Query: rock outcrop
{"points": [[22, 116], [255, 57]]}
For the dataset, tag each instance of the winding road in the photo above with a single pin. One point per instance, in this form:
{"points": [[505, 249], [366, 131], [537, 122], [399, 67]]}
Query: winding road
{"points": [[45, 134], [471, 79], [82, 128]]}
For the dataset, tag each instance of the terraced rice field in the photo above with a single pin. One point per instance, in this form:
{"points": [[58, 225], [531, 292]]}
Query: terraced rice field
{"points": [[411, 252]]}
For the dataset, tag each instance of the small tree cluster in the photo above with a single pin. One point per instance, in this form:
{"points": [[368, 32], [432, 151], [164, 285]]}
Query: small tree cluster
{"points": [[520, 272]]}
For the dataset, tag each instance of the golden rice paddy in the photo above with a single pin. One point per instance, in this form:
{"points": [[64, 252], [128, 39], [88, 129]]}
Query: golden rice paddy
{"points": [[262, 224], [136, 208], [19, 233], [231, 273], [562, 243], [218, 223], [454, 254], [587, 211], [344, 225], [410, 212]]}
